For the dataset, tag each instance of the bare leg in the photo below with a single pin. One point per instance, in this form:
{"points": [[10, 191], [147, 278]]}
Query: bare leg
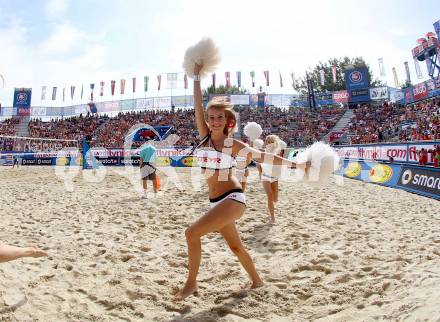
{"points": [[9, 253], [274, 187], [144, 185], [215, 219], [230, 234], [270, 201]]}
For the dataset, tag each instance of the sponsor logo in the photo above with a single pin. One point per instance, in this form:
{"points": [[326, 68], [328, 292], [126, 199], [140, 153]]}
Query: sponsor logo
{"points": [[353, 169], [62, 161], [406, 177], [163, 161], [356, 76], [22, 97], [425, 181], [189, 161], [381, 173]]}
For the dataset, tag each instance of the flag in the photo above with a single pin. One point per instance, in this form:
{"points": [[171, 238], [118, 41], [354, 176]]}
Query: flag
{"points": [[418, 70], [213, 80], [134, 84], [159, 78], [334, 74], [185, 81], [122, 86], [266, 76], [292, 75], [43, 93], [112, 86], [72, 92], [228, 80], [101, 89], [82, 91], [54, 93], [381, 67], [408, 75], [321, 76], [253, 78], [281, 80], [145, 83], [396, 80], [92, 88], [239, 79], [64, 93], [172, 80]]}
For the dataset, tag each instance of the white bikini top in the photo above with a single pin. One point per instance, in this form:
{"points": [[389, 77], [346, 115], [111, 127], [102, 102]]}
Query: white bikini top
{"points": [[210, 158]]}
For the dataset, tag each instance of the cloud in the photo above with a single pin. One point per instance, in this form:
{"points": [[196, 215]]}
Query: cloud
{"points": [[56, 8], [64, 38]]}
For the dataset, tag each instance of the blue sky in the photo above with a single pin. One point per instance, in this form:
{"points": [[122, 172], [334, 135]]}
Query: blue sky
{"points": [[65, 42]]}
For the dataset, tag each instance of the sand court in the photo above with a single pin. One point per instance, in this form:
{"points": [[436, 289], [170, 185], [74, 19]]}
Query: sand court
{"points": [[336, 253]]}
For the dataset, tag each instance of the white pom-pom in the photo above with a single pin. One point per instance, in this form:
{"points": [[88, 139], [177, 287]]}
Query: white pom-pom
{"points": [[258, 144], [253, 130], [324, 161], [205, 52], [282, 145]]}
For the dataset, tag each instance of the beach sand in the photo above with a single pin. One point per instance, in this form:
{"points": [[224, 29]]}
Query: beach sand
{"points": [[356, 252]]}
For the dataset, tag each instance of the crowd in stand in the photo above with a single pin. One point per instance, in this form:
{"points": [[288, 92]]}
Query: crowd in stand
{"points": [[298, 127], [395, 123]]}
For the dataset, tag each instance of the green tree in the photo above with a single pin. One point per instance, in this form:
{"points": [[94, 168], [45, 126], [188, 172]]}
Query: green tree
{"points": [[221, 89], [329, 86]]}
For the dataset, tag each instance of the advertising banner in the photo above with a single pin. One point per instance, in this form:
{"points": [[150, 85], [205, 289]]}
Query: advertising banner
{"points": [[379, 93], [420, 180], [22, 101]]}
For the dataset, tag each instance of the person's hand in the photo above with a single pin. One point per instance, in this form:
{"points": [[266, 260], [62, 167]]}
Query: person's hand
{"points": [[198, 68]]}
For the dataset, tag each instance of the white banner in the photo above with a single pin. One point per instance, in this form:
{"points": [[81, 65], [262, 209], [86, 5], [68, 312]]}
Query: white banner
{"points": [[400, 152], [81, 109], [172, 80], [38, 111], [321, 76], [161, 102], [379, 93], [144, 103], [239, 99], [418, 70], [396, 95], [381, 68]]}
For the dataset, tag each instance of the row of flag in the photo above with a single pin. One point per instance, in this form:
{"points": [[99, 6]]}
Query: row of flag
{"points": [[172, 81], [407, 72]]}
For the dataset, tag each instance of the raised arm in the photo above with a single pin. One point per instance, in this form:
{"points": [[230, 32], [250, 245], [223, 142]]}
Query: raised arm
{"points": [[202, 127]]}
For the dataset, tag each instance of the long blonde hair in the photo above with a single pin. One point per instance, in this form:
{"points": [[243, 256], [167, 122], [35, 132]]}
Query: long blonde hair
{"points": [[272, 142], [223, 105]]}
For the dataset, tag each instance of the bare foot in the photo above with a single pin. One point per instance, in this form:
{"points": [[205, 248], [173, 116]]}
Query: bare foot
{"points": [[186, 291], [257, 284], [34, 252]]}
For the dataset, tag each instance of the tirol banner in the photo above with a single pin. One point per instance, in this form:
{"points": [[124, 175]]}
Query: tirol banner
{"points": [[22, 101], [379, 93], [357, 83]]}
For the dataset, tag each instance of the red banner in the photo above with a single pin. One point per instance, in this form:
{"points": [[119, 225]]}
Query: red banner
{"points": [[228, 80], [340, 97], [113, 83], [420, 91]]}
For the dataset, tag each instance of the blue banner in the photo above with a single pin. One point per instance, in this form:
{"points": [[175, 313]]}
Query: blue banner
{"points": [[421, 180], [22, 101], [357, 83], [357, 78], [371, 172]]}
